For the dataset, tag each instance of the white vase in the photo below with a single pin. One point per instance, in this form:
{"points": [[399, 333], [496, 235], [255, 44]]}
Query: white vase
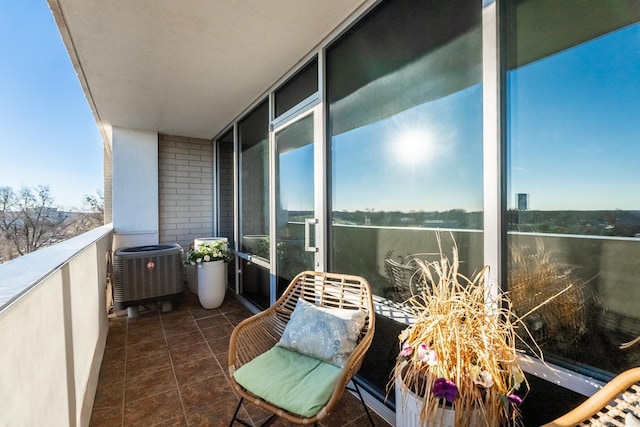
{"points": [[192, 278], [409, 405], [211, 283]]}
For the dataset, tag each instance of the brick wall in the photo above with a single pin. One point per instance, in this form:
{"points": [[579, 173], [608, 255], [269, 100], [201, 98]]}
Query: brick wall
{"points": [[185, 185]]}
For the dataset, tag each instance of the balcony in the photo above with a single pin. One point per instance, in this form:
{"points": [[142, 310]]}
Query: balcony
{"points": [[189, 152], [65, 356], [76, 365], [171, 369]]}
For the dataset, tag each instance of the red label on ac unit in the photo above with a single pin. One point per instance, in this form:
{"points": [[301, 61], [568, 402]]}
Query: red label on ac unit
{"points": [[150, 265]]}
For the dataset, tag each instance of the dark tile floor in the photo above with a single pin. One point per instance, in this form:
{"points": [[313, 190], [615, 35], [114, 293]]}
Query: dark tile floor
{"points": [[170, 369]]}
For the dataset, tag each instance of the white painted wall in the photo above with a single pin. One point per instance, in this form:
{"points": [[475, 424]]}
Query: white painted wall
{"points": [[33, 361], [135, 187], [53, 333]]}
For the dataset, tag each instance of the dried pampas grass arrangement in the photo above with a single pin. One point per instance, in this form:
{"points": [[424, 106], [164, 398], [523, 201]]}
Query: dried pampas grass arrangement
{"points": [[461, 350], [549, 296]]}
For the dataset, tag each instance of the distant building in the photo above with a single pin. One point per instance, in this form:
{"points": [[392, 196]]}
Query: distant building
{"points": [[523, 201]]}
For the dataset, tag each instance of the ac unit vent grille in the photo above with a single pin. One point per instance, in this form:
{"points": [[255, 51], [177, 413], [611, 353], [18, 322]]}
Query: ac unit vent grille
{"points": [[147, 273]]}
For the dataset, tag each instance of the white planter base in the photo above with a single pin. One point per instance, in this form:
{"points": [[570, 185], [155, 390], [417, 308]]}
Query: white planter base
{"points": [[192, 278], [211, 283], [408, 407]]}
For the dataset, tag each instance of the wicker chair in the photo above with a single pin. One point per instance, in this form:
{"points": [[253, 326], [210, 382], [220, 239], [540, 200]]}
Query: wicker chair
{"points": [[608, 406], [405, 279], [259, 333]]}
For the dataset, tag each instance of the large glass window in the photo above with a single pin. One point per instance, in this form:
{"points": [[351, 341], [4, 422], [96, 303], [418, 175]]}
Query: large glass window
{"points": [[253, 134], [573, 139], [225, 206], [254, 184], [405, 122], [294, 198], [405, 111], [225, 186]]}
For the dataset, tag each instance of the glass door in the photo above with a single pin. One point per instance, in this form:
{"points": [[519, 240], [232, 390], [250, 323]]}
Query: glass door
{"points": [[297, 224]]}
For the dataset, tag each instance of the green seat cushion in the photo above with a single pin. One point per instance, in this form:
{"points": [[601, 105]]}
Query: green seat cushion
{"points": [[290, 380]]}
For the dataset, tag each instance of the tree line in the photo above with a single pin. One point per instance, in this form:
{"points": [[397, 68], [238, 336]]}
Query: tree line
{"points": [[29, 220]]}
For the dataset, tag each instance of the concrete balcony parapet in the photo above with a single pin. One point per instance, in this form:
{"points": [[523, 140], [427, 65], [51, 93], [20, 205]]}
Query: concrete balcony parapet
{"points": [[53, 329]]}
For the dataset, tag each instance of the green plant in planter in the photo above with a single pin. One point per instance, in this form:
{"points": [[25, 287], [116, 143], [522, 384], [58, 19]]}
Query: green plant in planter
{"points": [[208, 252], [263, 248], [292, 258]]}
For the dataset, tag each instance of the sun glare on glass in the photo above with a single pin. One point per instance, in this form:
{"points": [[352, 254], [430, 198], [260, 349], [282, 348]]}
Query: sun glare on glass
{"points": [[413, 147]]}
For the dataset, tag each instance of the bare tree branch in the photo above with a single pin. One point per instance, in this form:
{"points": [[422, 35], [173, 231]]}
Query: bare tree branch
{"points": [[29, 221]]}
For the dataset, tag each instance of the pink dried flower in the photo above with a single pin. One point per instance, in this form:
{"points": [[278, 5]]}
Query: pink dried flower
{"points": [[406, 350], [426, 355]]}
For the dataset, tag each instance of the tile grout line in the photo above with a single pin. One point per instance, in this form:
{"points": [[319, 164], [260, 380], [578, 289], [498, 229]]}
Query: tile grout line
{"points": [[173, 364], [124, 379], [216, 357], [226, 374], [191, 311], [173, 369], [170, 361], [201, 334]]}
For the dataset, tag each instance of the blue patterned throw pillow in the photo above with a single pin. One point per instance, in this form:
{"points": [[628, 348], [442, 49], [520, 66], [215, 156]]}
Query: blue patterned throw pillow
{"points": [[328, 334], [631, 420]]}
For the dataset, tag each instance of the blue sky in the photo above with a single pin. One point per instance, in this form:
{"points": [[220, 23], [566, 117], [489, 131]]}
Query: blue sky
{"points": [[426, 158], [573, 140], [575, 126], [48, 135]]}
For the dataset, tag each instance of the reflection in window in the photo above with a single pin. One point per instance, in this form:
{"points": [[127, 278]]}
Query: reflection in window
{"points": [[574, 140], [254, 185], [405, 128], [294, 198], [418, 168], [573, 105], [406, 135], [225, 188]]}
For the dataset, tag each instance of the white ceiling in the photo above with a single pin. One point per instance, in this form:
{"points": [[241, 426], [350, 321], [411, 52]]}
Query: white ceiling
{"points": [[188, 68]]}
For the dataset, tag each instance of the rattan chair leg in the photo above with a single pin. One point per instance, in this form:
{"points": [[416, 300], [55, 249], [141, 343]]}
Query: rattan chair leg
{"points": [[357, 390], [235, 416], [269, 420], [243, 422]]}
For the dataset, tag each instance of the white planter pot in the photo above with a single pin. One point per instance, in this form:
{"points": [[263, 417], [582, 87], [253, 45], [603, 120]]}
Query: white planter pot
{"points": [[408, 407], [192, 278], [211, 283]]}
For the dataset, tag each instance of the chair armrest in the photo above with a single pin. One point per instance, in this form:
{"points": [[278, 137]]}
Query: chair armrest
{"points": [[594, 404], [254, 336]]}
